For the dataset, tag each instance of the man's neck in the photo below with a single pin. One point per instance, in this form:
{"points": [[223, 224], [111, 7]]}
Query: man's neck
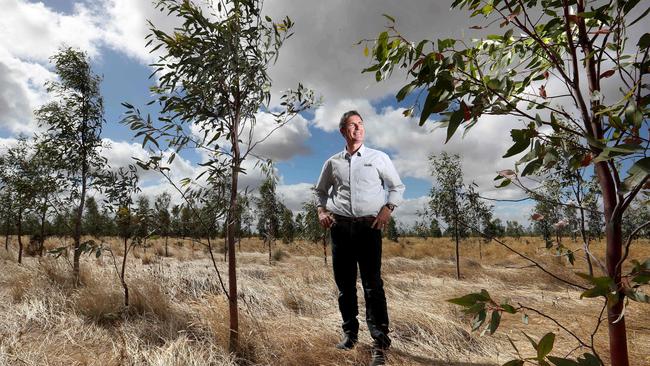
{"points": [[352, 148]]}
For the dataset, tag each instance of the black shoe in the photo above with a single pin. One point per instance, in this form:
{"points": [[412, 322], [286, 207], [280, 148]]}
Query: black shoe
{"points": [[378, 357], [348, 342]]}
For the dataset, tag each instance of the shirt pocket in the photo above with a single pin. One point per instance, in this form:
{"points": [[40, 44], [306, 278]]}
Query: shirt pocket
{"points": [[368, 175]]}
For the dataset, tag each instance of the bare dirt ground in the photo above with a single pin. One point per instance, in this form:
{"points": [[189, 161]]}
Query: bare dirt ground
{"points": [[288, 311]]}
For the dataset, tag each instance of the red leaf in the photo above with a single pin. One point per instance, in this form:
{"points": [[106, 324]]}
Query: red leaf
{"points": [[537, 217], [417, 63], [508, 173], [633, 140], [586, 160], [512, 16], [439, 56], [601, 31], [546, 74], [542, 91], [607, 74], [573, 19], [467, 114]]}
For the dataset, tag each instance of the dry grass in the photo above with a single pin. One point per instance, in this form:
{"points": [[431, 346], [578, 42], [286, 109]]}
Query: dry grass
{"points": [[288, 316]]}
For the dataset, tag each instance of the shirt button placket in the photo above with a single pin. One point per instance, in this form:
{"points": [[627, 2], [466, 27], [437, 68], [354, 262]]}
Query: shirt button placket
{"points": [[350, 185]]}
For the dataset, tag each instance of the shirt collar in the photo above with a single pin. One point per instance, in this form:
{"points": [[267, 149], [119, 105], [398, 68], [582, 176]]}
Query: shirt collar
{"points": [[359, 152]]}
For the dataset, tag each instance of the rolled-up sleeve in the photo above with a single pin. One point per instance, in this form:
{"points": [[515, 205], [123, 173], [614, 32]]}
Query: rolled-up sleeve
{"points": [[324, 184], [392, 181]]}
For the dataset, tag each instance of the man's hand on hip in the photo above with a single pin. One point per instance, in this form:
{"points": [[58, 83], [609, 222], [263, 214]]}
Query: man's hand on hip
{"points": [[382, 218], [325, 218]]}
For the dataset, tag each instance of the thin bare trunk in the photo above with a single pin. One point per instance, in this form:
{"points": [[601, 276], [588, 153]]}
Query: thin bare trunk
{"points": [[614, 252], [225, 244], [457, 250], [19, 226], [166, 246], [232, 258], [583, 230], [77, 228], [42, 243], [123, 273]]}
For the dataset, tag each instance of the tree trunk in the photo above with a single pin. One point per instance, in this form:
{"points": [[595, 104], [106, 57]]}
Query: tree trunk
{"points": [[457, 250], [19, 226], [166, 246], [123, 273], [42, 243], [77, 228], [583, 230], [613, 254], [232, 259], [225, 243], [7, 241]]}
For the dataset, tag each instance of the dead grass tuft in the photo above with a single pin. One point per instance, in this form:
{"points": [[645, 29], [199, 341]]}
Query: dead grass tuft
{"points": [[214, 317], [279, 254], [100, 301], [7, 255], [18, 283], [58, 273], [295, 301], [149, 258]]}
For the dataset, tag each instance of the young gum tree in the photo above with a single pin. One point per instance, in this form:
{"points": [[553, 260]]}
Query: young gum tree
{"points": [[569, 65], [312, 230], [453, 202], [143, 216], [47, 175], [120, 187], [212, 81], [268, 211], [162, 217], [6, 209], [19, 174], [73, 123]]}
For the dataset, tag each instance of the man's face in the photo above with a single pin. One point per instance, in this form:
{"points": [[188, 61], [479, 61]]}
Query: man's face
{"points": [[353, 131]]}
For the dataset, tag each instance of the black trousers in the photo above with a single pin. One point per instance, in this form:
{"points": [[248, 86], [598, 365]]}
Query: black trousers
{"points": [[355, 242]]}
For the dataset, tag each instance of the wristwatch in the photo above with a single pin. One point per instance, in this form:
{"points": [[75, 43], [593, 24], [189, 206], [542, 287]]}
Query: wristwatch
{"points": [[390, 206]]}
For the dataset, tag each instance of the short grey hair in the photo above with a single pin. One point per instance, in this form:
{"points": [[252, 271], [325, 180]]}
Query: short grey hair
{"points": [[347, 115]]}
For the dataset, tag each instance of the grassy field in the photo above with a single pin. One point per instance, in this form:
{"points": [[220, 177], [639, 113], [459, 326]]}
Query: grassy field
{"points": [[288, 311]]}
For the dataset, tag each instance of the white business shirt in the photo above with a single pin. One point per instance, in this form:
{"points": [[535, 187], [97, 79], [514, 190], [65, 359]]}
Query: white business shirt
{"points": [[357, 183]]}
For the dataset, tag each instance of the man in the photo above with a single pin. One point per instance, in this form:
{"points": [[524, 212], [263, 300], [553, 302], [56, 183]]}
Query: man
{"points": [[357, 210]]}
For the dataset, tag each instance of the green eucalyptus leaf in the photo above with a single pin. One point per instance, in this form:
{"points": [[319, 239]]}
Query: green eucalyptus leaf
{"points": [[454, 121], [494, 321], [514, 363], [522, 142], [545, 345], [637, 173], [644, 41], [557, 361]]}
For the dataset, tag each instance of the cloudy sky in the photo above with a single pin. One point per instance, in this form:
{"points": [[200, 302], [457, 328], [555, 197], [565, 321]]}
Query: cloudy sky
{"points": [[322, 54]]}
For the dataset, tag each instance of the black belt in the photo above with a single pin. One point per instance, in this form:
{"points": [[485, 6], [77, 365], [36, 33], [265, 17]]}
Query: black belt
{"points": [[363, 219]]}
